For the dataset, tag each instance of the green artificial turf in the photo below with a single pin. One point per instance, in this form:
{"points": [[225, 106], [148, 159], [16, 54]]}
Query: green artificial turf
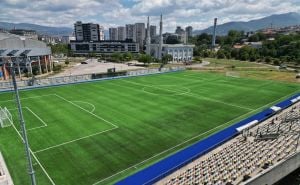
{"points": [[100, 132]]}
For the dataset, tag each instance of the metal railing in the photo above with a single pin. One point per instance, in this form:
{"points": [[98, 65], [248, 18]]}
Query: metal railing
{"points": [[55, 81]]}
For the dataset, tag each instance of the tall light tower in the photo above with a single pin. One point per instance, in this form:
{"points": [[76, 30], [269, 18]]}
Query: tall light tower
{"points": [[213, 43], [160, 38], [22, 123]]}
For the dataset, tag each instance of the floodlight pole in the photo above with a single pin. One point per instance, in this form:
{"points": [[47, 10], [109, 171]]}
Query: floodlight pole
{"points": [[22, 123]]}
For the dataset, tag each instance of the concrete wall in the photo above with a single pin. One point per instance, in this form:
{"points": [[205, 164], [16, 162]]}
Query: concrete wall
{"points": [[277, 172], [5, 178]]}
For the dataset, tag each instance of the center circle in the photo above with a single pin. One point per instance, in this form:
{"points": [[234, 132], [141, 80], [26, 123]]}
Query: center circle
{"points": [[166, 90]]}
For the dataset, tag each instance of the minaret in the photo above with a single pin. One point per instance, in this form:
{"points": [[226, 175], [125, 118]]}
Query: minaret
{"points": [[160, 38], [148, 41]]}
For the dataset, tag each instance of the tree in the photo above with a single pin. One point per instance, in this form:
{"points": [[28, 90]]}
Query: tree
{"points": [[67, 62], [203, 39], [276, 62], [221, 54], [60, 49], [145, 58], [127, 56], [233, 37], [166, 59], [116, 57], [268, 60]]}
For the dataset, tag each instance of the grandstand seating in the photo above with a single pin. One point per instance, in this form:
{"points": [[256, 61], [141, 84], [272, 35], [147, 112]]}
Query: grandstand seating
{"points": [[246, 155], [165, 167]]}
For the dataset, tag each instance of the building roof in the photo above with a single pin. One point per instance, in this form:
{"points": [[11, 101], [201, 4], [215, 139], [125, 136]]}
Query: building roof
{"points": [[14, 45], [174, 45], [27, 52], [178, 45], [8, 35]]}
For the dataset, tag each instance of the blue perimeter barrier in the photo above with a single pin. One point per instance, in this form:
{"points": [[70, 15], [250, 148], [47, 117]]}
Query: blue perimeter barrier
{"points": [[170, 164]]}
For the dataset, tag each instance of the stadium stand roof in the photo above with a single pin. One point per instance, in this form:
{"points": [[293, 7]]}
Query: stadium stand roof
{"points": [[14, 45]]}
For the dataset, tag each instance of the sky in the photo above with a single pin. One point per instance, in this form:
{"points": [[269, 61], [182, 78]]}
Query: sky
{"points": [[112, 13]]}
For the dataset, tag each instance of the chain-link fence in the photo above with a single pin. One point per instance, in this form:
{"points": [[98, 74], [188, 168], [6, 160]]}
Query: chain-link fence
{"points": [[54, 81]]}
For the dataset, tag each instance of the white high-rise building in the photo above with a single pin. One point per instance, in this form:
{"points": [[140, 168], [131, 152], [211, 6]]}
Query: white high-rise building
{"points": [[101, 32], [113, 33], [87, 31], [152, 31], [140, 34], [189, 31], [121, 33], [130, 32]]}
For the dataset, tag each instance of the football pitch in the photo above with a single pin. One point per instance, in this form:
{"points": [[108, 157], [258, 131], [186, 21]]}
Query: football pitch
{"points": [[100, 132]]}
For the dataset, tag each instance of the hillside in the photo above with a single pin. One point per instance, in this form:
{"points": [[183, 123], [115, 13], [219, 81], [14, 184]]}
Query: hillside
{"points": [[280, 20], [40, 29]]}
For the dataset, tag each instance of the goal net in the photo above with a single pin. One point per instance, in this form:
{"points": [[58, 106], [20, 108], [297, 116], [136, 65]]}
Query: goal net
{"points": [[5, 117], [233, 74]]}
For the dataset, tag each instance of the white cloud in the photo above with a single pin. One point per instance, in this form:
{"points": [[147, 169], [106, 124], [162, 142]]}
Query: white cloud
{"points": [[198, 13]]}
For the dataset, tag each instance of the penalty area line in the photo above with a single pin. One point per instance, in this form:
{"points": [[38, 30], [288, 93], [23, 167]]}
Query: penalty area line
{"points": [[72, 141], [86, 110], [35, 157], [92, 105], [39, 118], [44, 124]]}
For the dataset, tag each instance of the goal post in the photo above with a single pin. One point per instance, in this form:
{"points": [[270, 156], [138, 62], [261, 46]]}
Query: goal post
{"points": [[5, 118]]}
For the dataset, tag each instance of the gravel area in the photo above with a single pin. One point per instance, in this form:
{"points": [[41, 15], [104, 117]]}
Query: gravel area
{"points": [[93, 66]]}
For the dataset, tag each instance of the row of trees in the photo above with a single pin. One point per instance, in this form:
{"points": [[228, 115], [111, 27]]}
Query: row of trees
{"points": [[60, 49], [283, 48], [143, 58]]}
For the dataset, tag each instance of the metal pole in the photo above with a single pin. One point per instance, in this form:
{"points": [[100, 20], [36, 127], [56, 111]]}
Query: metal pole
{"points": [[22, 123]]}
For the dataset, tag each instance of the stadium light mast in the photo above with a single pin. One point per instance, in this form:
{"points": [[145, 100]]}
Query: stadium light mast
{"points": [[23, 128]]}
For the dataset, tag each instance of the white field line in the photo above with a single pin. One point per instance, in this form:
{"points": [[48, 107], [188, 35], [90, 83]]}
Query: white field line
{"points": [[34, 128], [217, 101], [84, 137], [44, 170], [29, 97], [134, 166], [92, 105], [187, 90], [192, 95], [132, 88], [44, 124], [86, 111], [36, 159], [72, 141]]}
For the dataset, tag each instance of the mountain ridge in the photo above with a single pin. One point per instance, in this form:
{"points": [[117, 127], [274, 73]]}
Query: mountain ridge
{"points": [[47, 30], [277, 20]]}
